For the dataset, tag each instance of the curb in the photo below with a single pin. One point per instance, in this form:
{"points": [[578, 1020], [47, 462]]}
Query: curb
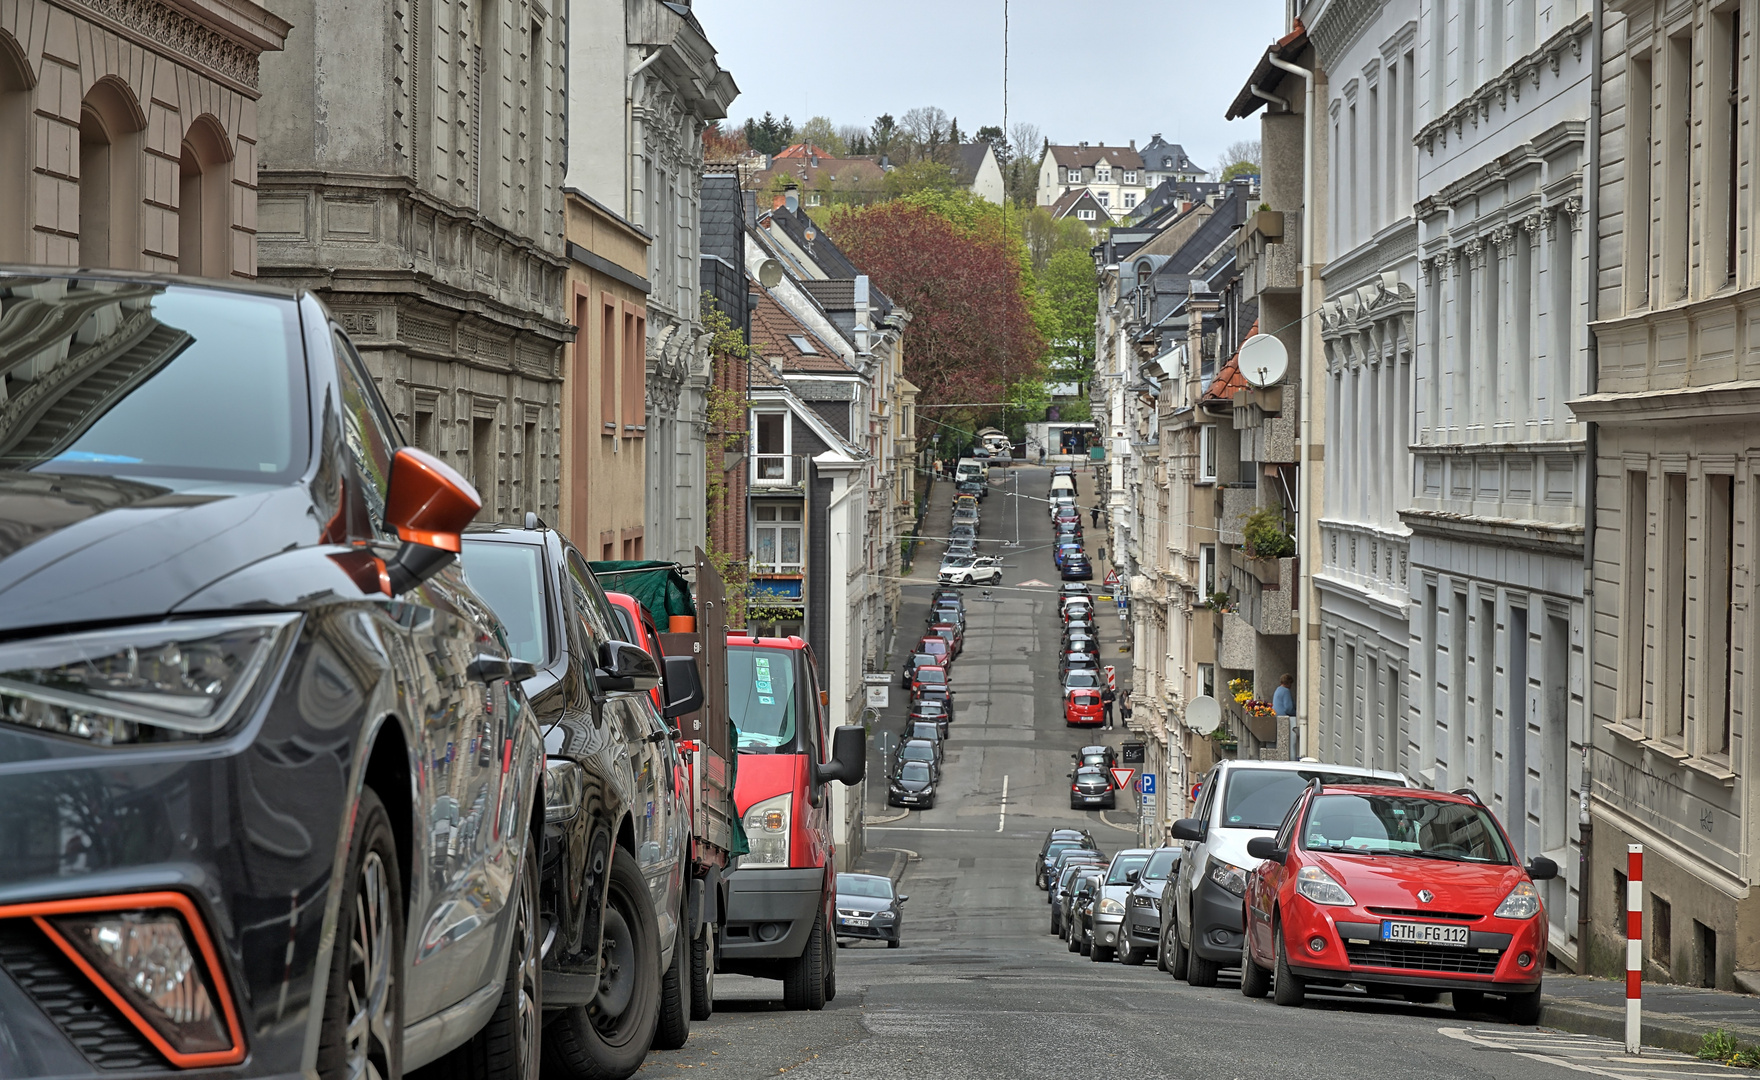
{"points": [[1670, 1031]]}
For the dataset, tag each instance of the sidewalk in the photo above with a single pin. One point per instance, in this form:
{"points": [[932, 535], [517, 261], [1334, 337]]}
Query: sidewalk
{"points": [[1675, 1017]]}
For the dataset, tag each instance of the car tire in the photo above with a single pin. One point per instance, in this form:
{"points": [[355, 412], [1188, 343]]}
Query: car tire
{"points": [[1129, 954], [1085, 946], [803, 980], [674, 1027], [606, 1044], [893, 943], [370, 926], [1524, 1008], [1255, 980], [510, 1045], [1287, 989], [1468, 1001], [830, 974], [1178, 958], [1102, 954], [1053, 929], [1075, 944], [1161, 952], [1200, 972]]}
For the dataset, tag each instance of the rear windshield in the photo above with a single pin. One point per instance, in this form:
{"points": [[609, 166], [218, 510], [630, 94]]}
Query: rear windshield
{"points": [[931, 675], [761, 696], [132, 378], [1086, 677], [1259, 798], [917, 751], [1123, 865], [511, 578]]}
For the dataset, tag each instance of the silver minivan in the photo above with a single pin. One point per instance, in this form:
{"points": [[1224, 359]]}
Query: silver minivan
{"points": [[1238, 801]]}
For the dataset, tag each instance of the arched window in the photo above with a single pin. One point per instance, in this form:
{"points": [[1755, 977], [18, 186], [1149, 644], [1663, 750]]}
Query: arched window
{"points": [[15, 165], [110, 125], [204, 203]]}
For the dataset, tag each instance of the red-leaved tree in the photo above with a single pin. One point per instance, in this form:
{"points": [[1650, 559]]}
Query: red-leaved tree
{"points": [[971, 333]]}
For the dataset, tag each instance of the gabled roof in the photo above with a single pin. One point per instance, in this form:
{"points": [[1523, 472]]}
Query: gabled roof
{"points": [[1229, 380], [971, 159], [1086, 157], [1267, 75], [1067, 203], [825, 254], [778, 338], [1162, 156]]}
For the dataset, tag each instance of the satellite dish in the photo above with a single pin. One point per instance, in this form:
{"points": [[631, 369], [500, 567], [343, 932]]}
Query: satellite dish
{"points": [[770, 273], [1263, 361], [1203, 714]]}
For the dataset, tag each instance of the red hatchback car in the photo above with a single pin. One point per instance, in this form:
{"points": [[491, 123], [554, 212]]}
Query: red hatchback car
{"points": [[1082, 707], [1395, 889]]}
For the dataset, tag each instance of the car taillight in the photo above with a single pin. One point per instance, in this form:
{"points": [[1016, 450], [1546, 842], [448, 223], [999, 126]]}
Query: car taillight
{"points": [[150, 954]]}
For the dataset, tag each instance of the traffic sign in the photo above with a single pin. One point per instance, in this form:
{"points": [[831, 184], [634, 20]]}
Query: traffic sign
{"points": [[1122, 777], [1148, 783], [880, 677]]}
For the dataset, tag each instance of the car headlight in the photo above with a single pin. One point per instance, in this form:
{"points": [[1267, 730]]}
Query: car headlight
{"points": [[139, 684], [1229, 876], [564, 785], [1109, 906], [1317, 885], [883, 916], [766, 824], [1143, 901], [1523, 902]]}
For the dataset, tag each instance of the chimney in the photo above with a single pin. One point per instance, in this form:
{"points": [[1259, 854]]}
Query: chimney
{"points": [[777, 203], [1133, 144], [791, 197], [861, 305]]}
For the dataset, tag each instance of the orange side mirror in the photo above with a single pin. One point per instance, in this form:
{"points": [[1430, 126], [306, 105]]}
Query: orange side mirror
{"points": [[429, 503]]}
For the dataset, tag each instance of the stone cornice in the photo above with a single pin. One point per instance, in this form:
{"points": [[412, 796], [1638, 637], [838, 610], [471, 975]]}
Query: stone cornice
{"points": [[1504, 86], [1339, 27], [1545, 537], [222, 41], [1695, 404]]}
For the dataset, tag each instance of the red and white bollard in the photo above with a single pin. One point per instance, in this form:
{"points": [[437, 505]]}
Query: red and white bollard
{"points": [[1634, 946]]}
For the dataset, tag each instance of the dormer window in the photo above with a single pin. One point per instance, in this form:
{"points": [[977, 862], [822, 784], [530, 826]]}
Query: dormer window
{"points": [[1075, 176], [1102, 174], [1167, 163]]}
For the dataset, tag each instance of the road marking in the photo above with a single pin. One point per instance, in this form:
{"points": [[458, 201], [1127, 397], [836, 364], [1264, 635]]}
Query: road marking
{"points": [[1587, 1054], [1003, 819]]}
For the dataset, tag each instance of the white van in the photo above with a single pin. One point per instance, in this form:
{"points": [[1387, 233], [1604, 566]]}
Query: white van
{"points": [[971, 469], [1063, 483]]}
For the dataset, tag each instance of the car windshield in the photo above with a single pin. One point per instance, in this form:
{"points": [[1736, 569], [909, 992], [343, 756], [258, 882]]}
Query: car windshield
{"points": [[1093, 759], [1087, 774], [864, 885], [1085, 678], [1259, 798], [1161, 865], [927, 730], [761, 697], [1123, 865], [934, 647], [958, 562], [1058, 847], [914, 770], [137, 379], [510, 577], [1403, 825]]}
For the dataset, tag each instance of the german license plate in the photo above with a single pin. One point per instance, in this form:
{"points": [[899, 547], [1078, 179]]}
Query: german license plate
{"points": [[1424, 934], [847, 921]]}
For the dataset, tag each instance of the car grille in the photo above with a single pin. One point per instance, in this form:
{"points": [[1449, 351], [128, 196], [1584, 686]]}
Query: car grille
{"points": [[1425, 913], [82, 1013], [1384, 954]]}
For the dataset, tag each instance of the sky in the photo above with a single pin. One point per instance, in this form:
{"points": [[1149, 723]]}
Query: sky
{"points": [[1092, 70]]}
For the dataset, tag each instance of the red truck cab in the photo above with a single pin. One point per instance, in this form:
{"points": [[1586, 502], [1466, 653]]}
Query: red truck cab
{"points": [[780, 919]]}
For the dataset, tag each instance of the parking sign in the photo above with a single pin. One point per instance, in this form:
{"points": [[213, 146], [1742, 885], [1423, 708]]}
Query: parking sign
{"points": [[1148, 783]]}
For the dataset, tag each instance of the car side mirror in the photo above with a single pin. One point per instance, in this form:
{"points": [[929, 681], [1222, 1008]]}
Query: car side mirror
{"points": [[488, 668], [1187, 829], [521, 669], [623, 666], [1540, 868], [849, 756], [1265, 847], [428, 504], [683, 686], [1131, 877], [902, 899]]}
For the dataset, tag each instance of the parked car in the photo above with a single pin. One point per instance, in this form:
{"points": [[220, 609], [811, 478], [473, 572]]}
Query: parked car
{"points": [[931, 695], [1047, 861], [1062, 887], [1083, 679], [924, 729], [912, 784], [966, 515], [1081, 642], [976, 488], [1141, 936], [945, 594], [962, 531], [937, 646], [920, 750], [984, 570], [1106, 923], [1077, 607], [1091, 789], [1418, 891], [869, 907], [915, 661], [1078, 628], [1065, 550], [961, 549], [953, 614], [1079, 908], [925, 710], [1104, 756], [1237, 800], [1083, 708], [1077, 568], [928, 675], [1074, 660], [1075, 588], [248, 686], [952, 634]]}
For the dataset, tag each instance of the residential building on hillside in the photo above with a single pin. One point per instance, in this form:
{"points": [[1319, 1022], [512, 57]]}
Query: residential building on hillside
{"points": [[643, 82], [1674, 405], [432, 222], [979, 171], [822, 180], [1175, 193], [1165, 162], [1370, 280], [603, 459], [130, 139], [1113, 175], [1081, 204], [1500, 470]]}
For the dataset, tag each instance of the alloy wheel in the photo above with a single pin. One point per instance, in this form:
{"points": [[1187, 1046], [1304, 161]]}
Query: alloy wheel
{"points": [[370, 962]]}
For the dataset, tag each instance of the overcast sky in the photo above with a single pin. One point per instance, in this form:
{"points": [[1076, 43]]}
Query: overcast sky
{"points": [[1095, 71]]}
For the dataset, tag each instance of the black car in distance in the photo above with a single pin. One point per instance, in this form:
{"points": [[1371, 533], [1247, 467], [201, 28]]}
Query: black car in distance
{"points": [[1091, 789], [273, 794], [912, 784], [868, 906]]}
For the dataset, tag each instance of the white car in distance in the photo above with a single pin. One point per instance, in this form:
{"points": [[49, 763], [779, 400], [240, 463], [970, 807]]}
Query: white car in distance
{"points": [[982, 570]]}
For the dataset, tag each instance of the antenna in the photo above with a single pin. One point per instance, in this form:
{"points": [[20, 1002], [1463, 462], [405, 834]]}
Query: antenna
{"points": [[770, 273], [1263, 361]]}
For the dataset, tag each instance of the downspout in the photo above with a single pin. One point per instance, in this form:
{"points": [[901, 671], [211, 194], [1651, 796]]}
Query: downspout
{"points": [[1592, 210], [629, 135], [1310, 545]]}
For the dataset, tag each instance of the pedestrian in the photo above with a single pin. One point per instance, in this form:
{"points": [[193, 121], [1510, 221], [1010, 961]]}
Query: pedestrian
{"points": [[1106, 699], [1094, 514], [1041, 453], [1124, 707], [1283, 699]]}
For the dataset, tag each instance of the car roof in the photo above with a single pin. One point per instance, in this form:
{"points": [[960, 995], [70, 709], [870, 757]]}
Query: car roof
{"points": [[1095, 747], [1381, 789], [1298, 766], [853, 875], [1089, 768], [1117, 855]]}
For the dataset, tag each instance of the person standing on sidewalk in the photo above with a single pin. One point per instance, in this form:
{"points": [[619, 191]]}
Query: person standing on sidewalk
{"points": [[1106, 699], [1124, 708], [1094, 515]]}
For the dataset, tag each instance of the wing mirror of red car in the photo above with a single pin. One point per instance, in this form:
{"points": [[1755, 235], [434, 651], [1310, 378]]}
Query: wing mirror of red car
{"points": [[1540, 868], [1265, 847], [429, 504], [1188, 829]]}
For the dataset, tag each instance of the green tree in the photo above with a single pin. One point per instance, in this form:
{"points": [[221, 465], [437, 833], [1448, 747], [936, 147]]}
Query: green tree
{"points": [[919, 176], [822, 133], [882, 134]]}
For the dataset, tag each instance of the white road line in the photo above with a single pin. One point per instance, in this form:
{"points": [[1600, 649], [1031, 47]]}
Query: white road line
{"points": [[1588, 1054], [1003, 819]]}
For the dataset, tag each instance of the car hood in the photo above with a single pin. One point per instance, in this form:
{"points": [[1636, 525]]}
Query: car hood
{"points": [[1395, 880], [912, 785], [79, 549]]}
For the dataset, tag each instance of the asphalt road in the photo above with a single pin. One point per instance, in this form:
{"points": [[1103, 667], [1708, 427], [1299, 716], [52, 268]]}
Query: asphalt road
{"points": [[982, 990]]}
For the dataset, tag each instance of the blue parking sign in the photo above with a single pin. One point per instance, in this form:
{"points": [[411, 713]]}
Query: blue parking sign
{"points": [[1148, 783]]}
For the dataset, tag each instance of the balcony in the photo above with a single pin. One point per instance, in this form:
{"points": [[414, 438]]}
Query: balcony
{"points": [[778, 472], [1270, 264]]}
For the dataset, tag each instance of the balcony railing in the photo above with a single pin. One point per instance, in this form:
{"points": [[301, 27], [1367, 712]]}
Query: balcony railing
{"points": [[778, 470]]}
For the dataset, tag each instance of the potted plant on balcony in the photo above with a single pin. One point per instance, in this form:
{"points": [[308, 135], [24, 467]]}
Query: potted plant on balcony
{"points": [[1266, 535]]}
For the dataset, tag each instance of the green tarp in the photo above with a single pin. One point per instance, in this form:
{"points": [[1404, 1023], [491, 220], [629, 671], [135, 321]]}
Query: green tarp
{"points": [[657, 586]]}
